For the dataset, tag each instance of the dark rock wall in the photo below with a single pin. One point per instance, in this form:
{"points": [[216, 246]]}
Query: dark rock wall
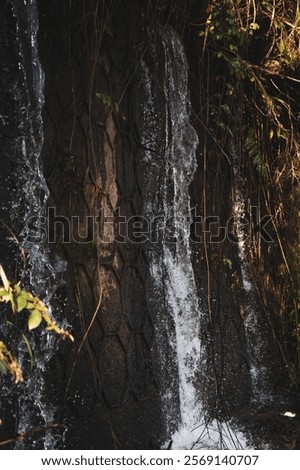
{"points": [[89, 52]]}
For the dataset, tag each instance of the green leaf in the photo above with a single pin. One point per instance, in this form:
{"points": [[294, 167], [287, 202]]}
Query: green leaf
{"points": [[30, 306], [281, 46], [105, 99], [4, 295], [108, 102], [3, 367], [28, 296], [21, 302], [17, 289], [227, 262], [29, 349], [34, 319]]}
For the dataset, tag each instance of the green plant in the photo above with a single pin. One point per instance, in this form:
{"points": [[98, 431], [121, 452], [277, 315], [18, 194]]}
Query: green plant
{"points": [[108, 102], [251, 103], [21, 300], [227, 262], [8, 363]]}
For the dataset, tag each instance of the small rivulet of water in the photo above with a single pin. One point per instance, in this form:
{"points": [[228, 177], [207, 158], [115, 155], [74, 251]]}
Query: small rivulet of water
{"points": [[250, 309], [41, 274], [169, 157]]}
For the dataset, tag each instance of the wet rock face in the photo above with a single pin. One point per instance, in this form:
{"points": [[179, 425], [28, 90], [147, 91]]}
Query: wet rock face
{"points": [[107, 392], [9, 136], [11, 102], [20, 137]]}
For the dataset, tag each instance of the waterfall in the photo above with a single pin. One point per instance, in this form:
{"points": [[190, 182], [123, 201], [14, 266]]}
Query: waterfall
{"points": [[180, 287], [170, 163], [42, 276], [170, 263]]}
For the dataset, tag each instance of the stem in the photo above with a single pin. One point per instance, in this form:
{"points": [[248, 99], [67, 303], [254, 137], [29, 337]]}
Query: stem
{"points": [[4, 278]]}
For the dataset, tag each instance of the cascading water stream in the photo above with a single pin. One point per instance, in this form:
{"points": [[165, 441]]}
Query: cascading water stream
{"points": [[171, 266], [41, 273], [170, 167], [250, 308], [181, 296]]}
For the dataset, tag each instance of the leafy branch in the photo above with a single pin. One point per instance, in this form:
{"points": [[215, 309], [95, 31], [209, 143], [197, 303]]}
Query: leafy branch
{"points": [[8, 363], [22, 300]]}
